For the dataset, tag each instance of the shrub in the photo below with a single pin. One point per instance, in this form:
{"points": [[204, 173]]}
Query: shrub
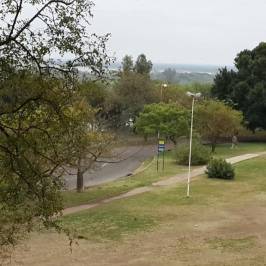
{"points": [[200, 154], [219, 168]]}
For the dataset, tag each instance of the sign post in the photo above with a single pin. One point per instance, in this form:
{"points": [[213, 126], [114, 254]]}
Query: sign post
{"points": [[161, 149]]}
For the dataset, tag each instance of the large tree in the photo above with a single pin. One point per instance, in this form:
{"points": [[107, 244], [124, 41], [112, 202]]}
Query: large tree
{"points": [[88, 139], [214, 120], [133, 91], [142, 65], [36, 94], [245, 88], [169, 120], [127, 64]]}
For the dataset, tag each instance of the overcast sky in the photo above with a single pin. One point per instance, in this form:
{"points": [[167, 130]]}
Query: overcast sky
{"points": [[175, 31]]}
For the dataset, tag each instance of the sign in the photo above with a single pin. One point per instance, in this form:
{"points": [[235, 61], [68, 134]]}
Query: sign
{"points": [[161, 146], [161, 149]]}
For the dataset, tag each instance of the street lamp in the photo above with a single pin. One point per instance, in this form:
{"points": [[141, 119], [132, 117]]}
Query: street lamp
{"points": [[163, 86], [194, 96]]}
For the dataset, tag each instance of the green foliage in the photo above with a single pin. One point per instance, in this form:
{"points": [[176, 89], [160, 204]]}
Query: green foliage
{"points": [[222, 87], [219, 168], [132, 92], [142, 65], [95, 93], [170, 120], [62, 29], [214, 119], [245, 88], [33, 144], [200, 154], [127, 64], [37, 98]]}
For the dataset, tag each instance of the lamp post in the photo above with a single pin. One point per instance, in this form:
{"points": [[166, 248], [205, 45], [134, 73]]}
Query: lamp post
{"points": [[194, 96], [163, 86]]}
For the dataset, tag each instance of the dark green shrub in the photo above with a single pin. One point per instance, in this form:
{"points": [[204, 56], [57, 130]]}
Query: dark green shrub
{"points": [[200, 154], [219, 168]]}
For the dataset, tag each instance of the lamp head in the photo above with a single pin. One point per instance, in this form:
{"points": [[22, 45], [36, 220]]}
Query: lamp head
{"points": [[189, 94], [195, 95]]}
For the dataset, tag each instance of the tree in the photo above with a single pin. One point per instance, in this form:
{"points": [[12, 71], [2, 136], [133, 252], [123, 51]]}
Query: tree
{"points": [[127, 64], [133, 91], [169, 75], [170, 120], [35, 97], [222, 87], [245, 89], [142, 65], [56, 27], [87, 138], [214, 120]]}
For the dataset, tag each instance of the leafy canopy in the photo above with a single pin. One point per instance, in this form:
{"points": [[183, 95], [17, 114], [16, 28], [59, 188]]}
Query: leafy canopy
{"points": [[245, 88], [36, 96], [214, 119], [171, 120]]}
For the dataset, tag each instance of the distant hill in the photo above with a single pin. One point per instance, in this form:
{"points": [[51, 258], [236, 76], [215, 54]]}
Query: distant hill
{"points": [[174, 73], [181, 73]]}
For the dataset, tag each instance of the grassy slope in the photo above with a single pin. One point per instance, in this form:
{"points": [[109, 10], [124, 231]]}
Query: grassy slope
{"points": [[71, 198], [113, 220], [147, 177]]}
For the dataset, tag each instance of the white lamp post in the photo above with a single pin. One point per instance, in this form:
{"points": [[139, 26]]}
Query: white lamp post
{"points": [[194, 96], [163, 86]]}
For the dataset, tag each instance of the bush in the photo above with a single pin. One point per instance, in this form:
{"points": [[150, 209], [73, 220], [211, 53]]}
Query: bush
{"points": [[219, 168], [200, 154]]}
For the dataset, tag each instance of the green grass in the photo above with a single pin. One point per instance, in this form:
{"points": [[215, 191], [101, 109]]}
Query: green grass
{"points": [[170, 205], [150, 175], [110, 223], [225, 151], [143, 212], [145, 178]]}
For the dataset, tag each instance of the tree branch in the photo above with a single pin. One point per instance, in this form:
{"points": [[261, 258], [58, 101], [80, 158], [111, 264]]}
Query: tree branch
{"points": [[27, 24], [19, 7]]}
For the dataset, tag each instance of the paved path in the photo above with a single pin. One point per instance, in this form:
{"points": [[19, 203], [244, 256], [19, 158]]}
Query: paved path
{"points": [[125, 161], [164, 183]]}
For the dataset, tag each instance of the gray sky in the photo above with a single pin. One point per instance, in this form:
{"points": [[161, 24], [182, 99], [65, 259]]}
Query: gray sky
{"points": [[175, 31]]}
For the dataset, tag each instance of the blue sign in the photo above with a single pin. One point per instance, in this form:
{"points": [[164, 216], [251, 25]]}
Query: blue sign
{"points": [[161, 146]]}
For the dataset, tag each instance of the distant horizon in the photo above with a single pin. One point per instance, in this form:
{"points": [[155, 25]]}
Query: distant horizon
{"points": [[184, 64], [196, 32], [179, 67]]}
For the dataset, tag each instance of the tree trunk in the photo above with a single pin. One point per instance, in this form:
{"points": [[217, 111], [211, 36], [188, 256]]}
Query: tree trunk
{"points": [[80, 183]]}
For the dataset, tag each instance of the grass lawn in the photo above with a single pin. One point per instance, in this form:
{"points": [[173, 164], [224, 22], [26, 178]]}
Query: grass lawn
{"points": [[225, 151], [147, 177], [155, 205], [150, 175], [223, 223]]}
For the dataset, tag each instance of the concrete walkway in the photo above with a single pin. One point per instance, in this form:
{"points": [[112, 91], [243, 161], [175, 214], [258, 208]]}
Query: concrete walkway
{"points": [[164, 183]]}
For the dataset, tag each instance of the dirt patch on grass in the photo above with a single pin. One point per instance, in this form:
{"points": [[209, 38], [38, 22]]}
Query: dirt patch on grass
{"points": [[228, 236]]}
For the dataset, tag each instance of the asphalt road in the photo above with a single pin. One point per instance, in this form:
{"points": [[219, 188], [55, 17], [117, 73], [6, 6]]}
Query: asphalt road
{"points": [[127, 159]]}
